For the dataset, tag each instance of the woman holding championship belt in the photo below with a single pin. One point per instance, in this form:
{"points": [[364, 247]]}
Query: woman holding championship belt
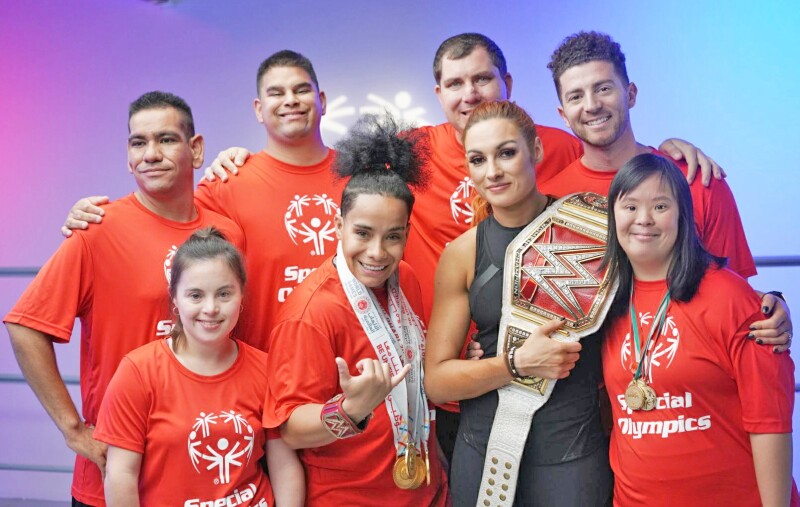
{"points": [[345, 361], [702, 415], [565, 461]]}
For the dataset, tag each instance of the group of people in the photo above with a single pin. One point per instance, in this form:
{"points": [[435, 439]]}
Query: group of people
{"points": [[331, 259]]}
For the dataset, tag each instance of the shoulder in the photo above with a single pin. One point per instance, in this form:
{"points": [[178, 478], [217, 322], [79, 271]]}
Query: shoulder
{"points": [[321, 290], [556, 135], [458, 257], [118, 214], [723, 291], [727, 282], [230, 229]]}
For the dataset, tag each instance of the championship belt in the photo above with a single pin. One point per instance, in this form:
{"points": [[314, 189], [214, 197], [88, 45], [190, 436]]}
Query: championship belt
{"points": [[552, 270]]}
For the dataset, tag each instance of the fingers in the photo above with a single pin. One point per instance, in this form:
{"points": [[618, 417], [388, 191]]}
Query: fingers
{"points": [[208, 174], [400, 375], [241, 157], [474, 350], [692, 164], [551, 326], [344, 371], [230, 165]]}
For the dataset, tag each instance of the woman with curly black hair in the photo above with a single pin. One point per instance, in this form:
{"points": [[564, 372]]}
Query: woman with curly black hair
{"points": [[345, 362]]}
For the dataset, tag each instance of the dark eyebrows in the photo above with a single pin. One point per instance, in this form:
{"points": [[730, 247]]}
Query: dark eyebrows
{"points": [[157, 135]]}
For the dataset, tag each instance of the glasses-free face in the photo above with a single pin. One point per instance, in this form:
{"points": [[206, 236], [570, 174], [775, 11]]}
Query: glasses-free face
{"points": [[289, 104], [160, 156], [500, 163], [208, 299], [595, 103], [373, 236], [467, 82], [647, 227]]}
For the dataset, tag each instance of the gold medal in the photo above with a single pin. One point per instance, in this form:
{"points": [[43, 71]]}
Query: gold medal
{"points": [[409, 470], [427, 468], [634, 395], [649, 398]]}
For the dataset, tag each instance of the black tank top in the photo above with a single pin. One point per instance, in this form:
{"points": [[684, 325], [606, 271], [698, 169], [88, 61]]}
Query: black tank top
{"points": [[568, 426]]}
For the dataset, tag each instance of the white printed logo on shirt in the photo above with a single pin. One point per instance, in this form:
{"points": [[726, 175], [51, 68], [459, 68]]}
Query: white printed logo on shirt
{"points": [[309, 221], [662, 348], [220, 442], [460, 201], [168, 263]]}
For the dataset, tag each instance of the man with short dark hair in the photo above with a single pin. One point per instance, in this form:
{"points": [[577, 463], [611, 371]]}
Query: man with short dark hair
{"points": [[114, 278], [596, 97], [285, 197]]}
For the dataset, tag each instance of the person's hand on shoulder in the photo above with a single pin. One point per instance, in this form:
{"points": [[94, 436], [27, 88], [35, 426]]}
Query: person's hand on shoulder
{"points": [[227, 161]]}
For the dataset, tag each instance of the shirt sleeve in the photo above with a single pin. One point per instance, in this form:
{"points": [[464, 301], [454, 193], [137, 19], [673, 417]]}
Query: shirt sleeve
{"points": [[302, 370], [122, 421], [60, 292], [722, 231]]}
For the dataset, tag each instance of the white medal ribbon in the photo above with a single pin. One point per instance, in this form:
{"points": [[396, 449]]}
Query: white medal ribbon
{"points": [[397, 339]]}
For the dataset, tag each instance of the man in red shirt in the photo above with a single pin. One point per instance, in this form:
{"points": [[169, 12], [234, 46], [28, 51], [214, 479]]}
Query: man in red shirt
{"points": [[285, 198], [596, 97], [114, 278]]}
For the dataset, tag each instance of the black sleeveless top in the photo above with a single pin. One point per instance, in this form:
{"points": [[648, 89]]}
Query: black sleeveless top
{"points": [[568, 426]]}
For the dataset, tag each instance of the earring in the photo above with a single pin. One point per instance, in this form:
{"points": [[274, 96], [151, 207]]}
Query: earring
{"points": [[175, 310]]}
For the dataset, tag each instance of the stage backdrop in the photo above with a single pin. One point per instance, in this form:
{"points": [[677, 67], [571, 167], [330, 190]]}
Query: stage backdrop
{"points": [[722, 75]]}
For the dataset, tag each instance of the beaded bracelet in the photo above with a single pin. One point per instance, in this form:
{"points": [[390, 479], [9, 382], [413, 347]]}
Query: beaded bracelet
{"points": [[512, 350]]}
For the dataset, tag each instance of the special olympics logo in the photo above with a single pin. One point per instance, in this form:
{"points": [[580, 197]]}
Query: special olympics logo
{"points": [[362, 305], [168, 262], [460, 205], [220, 442], [309, 219], [662, 350]]}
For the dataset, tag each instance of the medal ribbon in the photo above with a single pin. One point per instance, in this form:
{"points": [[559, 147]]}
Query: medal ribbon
{"points": [[658, 324], [392, 336]]}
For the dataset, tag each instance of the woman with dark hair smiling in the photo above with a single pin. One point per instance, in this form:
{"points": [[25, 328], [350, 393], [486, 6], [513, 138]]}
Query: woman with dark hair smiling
{"points": [[345, 361], [702, 415]]}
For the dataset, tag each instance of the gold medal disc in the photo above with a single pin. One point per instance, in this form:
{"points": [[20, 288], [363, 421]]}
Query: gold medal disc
{"points": [[650, 398], [427, 468], [400, 473], [634, 396]]}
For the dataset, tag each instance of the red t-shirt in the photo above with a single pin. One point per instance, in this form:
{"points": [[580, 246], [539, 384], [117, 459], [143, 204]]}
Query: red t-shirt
{"points": [[200, 437], [715, 213], [715, 387], [286, 213], [443, 211], [316, 325], [114, 278]]}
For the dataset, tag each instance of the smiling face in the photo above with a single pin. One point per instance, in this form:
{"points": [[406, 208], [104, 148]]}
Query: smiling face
{"points": [[160, 156], [467, 82], [289, 104], [208, 298], [373, 236], [500, 163], [647, 227], [596, 102]]}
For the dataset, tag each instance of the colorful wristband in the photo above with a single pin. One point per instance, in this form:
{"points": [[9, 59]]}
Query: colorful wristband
{"points": [[337, 422]]}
